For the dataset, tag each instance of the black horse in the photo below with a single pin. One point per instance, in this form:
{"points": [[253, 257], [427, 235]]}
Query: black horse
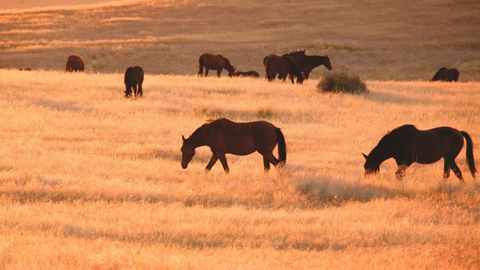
{"points": [[407, 144], [307, 63], [446, 74], [226, 137], [250, 73], [133, 79], [214, 62]]}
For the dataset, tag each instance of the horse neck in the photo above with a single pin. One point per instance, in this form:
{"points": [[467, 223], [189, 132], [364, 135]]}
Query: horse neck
{"points": [[199, 137], [381, 152], [315, 61]]}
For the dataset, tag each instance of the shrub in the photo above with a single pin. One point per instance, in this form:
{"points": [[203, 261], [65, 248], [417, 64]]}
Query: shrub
{"points": [[342, 82]]}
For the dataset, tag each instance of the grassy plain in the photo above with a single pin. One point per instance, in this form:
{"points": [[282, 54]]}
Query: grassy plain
{"points": [[89, 179]]}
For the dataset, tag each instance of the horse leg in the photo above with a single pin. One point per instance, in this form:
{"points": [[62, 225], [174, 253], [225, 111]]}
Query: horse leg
{"points": [[128, 91], [140, 90], [446, 168], [457, 171], [223, 160], [206, 72], [266, 164], [135, 90], [212, 162], [400, 173], [219, 72], [306, 74]]}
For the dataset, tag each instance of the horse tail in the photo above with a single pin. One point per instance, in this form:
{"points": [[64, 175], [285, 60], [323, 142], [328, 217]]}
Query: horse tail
{"points": [[200, 66], [282, 147], [470, 159]]}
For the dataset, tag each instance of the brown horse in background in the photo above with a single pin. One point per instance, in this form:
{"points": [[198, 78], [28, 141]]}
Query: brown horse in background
{"points": [[133, 79], [226, 137], [214, 62], [283, 66], [446, 74], [74, 63], [307, 63], [407, 144]]}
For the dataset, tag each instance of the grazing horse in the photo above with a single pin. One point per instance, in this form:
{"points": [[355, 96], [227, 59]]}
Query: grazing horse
{"points": [[283, 66], [446, 74], [226, 137], [133, 79], [74, 63], [407, 144], [215, 62], [307, 63], [250, 73]]}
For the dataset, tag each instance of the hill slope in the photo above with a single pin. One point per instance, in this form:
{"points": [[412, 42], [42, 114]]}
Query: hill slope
{"points": [[386, 40]]}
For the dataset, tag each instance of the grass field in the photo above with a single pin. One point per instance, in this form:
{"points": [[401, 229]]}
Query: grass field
{"points": [[91, 180], [394, 40]]}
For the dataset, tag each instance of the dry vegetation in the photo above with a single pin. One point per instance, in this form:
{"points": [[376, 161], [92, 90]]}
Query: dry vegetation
{"points": [[375, 39], [91, 180]]}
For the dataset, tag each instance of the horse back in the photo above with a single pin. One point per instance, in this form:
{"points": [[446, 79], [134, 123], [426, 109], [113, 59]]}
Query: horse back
{"points": [[431, 145], [211, 61]]}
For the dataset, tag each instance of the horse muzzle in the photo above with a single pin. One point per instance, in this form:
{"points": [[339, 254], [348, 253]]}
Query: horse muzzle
{"points": [[184, 166]]}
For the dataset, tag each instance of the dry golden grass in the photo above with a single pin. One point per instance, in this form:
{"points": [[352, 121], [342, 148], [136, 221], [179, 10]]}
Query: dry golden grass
{"points": [[89, 179]]}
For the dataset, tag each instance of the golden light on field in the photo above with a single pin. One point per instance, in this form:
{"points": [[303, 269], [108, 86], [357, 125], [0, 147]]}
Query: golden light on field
{"points": [[92, 180]]}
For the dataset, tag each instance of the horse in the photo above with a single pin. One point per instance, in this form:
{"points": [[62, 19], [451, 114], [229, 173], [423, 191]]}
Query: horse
{"points": [[250, 73], [216, 62], [446, 74], [224, 136], [74, 63], [283, 66], [406, 144], [133, 78], [307, 63], [25, 69]]}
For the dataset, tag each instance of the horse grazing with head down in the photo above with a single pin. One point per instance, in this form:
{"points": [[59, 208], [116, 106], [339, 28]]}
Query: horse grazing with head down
{"points": [[283, 66], [133, 80], [307, 63], [407, 144], [215, 62], [446, 74], [74, 63], [226, 137]]}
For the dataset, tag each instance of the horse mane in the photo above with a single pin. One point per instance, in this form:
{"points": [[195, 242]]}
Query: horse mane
{"points": [[401, 129]]}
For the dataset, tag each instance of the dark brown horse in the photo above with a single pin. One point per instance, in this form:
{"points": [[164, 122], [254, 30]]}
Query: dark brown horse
{"points": [[283, 66], [250, 73], [226, 137], [74, 63], [133, 79], [307, 63], [446, 74], [407, 144], [215, 62]]}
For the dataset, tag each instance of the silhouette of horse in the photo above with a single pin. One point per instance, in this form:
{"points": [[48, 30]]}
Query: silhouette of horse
{"points": [[215, 62], [407, 144], [133, 78], [74, 63], [226, 137], [25, 69], [251, 73], [283, 66], [446, 74], [307, 63]]}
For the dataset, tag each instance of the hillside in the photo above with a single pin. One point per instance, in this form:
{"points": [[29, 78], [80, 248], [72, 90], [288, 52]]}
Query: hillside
{"points": [[89, 179], [378, 40]]}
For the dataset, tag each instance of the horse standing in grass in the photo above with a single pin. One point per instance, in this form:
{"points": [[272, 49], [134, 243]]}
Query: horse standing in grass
{"points": [[250, 73], [74, 63], [215, 62], [446, 74], [307, 63], [283, 66], [407, 144], [226, 137], [133, 79]]}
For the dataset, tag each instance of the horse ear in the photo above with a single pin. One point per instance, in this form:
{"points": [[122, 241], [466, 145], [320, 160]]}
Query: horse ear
{"points": [[365, 156], [183, 138]]}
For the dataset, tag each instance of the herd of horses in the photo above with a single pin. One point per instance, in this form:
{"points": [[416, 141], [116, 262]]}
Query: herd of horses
{"points": [[405, 144]]}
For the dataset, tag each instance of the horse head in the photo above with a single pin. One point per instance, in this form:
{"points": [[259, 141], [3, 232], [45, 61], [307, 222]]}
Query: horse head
{"points": [[371, 166], [327, 63], [188, 151]]}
